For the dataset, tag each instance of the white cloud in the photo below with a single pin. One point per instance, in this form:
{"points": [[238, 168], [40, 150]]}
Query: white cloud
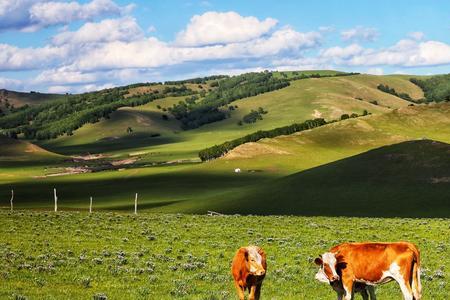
{"points": [[405, 53], [124, 29], [342, 52], [62, 89], [9, 83], [152, 53], [14, 58], [417, 35], [360, 33], [63, 76], [220, 28], [32, 15], [375, 71]]}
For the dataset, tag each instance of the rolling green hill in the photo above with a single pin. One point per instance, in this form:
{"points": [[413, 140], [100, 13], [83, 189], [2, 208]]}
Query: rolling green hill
{"points": [[409, 179], [18, 150], [328, 97], [308, 149], [21, 98]]}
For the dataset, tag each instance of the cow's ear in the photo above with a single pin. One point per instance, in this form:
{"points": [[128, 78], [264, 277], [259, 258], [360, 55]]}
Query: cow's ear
{"points": [[318, 261], [244, 252]]}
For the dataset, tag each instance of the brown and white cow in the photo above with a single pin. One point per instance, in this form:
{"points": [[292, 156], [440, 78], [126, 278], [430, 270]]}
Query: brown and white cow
{"points": [[373, 264], [249, 269]]}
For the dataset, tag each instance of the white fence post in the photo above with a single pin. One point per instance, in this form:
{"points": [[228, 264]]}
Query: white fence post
{"points": [[90, 206], [56, 199], [135, 204], [12, 199]]}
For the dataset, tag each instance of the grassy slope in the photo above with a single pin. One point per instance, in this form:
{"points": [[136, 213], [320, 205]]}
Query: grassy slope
{"points": [[304, 99], [197, 187], [18, 150], [48, 256], [22, 98], [304, 150], [410, 179]]}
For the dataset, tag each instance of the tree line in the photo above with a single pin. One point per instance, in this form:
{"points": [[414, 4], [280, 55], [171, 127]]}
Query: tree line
{"points": [[197, 80], [207, 110], [298, 76], [392, 91], [219, 150], [436, 88], [54, 118]]}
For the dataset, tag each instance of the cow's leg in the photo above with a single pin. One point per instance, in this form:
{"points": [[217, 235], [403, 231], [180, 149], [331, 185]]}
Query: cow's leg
{"points": [[348, 288], [252, 292], [405, 287], [240, 291], [258, 291], [340, 295], [364, 294], [371, 290]]}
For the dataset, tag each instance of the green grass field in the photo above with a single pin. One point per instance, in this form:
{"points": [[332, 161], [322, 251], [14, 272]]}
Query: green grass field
{"points": [[72, 255]]}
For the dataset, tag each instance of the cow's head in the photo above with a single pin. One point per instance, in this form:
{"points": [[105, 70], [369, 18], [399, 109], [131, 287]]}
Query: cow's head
{"points": [[255, 261], [328, 266]]}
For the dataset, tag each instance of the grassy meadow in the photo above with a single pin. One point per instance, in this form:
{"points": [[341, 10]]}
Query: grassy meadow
{"points": [[74, 255], [389, 164]]}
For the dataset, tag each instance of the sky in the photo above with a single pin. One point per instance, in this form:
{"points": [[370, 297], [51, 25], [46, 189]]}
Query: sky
{"points": [[77, 46]]}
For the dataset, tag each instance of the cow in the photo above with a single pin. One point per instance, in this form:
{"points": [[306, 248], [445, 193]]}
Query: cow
{"points": [[372, 264], [249, 269]]}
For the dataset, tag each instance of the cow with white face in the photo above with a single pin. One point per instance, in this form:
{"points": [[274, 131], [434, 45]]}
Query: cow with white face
{"points": [[356, 266], [249, 269]]}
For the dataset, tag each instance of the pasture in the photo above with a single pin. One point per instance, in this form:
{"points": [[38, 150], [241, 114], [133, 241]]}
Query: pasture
{"points": [[76, 255]]}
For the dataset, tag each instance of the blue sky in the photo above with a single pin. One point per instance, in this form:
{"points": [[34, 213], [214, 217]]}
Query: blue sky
{"points": [[77, 46]]}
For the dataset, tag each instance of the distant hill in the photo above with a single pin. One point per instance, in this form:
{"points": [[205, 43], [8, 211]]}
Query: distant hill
{"points": [[21, 98], [18, 150], [327, 97], [409, 179]]}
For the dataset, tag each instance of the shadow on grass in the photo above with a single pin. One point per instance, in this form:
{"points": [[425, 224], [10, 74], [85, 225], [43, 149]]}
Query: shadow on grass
{"points": [[118, 193], [128, 142]]}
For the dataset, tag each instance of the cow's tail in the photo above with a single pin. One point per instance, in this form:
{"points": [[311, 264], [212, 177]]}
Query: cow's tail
{"points": [[416, 284]]}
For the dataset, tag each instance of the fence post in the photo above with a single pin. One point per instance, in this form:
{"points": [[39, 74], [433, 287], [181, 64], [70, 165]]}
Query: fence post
{"points": [[135, 204], [90, 206], [56, 199], [12, 199]]}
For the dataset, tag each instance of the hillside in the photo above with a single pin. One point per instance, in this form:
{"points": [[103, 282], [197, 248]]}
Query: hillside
{"points": [[304, 150], [328, 97], [409, 179], [17, 150], [21, 98]]}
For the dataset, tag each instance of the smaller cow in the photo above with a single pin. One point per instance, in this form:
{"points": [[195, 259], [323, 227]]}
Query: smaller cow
{"points": [[372, 264], [249, 269]]}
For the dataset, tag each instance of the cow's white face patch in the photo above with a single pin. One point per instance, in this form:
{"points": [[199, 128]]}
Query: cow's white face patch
{"points": [[321, 276], [327, 271], [255, 260]]}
